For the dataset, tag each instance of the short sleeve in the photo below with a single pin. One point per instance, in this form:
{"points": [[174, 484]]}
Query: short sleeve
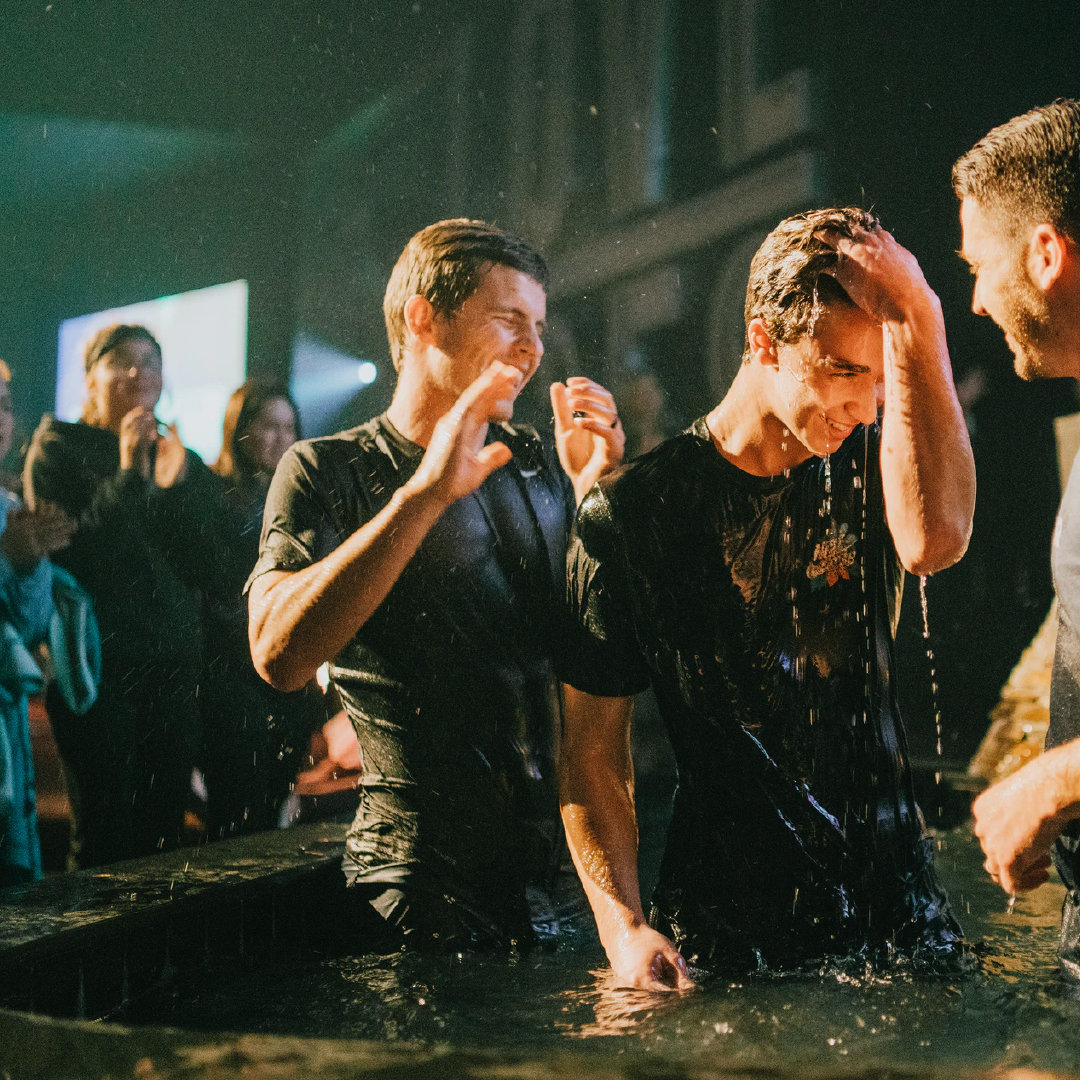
{"points": [[604, 657], [298, 522]]}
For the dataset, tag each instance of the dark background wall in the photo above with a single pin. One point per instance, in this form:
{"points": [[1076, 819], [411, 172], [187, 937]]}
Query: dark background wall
{"points": [[645, 145]]}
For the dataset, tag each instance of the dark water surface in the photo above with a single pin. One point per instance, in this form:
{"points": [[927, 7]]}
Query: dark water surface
{"points": [[1013, 1010]]}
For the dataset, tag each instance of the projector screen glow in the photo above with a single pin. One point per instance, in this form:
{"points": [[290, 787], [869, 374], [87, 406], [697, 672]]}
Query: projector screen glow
{"points": [[203, 336]]}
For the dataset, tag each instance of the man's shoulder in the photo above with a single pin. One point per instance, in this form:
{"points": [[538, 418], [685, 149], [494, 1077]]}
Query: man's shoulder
{"points": [[342, 448], [652, 485], [674, 462]]}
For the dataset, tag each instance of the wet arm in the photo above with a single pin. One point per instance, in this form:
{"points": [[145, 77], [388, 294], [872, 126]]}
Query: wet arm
{"points": [[1018, 819], [597, 804], [298, 619], [928, 472]]}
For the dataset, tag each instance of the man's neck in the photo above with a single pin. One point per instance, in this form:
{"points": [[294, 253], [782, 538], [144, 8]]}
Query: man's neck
{"points": [[747, 433], [416, 407]]}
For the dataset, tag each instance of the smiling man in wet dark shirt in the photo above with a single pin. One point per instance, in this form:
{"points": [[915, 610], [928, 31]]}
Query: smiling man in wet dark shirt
{"points": [[750, 569], [423, 553]]}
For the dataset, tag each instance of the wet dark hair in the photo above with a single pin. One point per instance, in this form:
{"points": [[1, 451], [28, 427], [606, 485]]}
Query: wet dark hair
{"points": [[1027, 170], [446, 263], [789, 281], [241, 410], [109, 337]]}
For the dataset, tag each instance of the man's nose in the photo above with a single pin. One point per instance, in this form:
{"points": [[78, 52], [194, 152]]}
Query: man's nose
{"points": [[531, 341], [866, 407]]}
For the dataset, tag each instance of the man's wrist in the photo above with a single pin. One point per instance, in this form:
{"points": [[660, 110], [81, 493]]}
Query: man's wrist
{"points": [[425, 501], [1058, 788], [919, 307]]}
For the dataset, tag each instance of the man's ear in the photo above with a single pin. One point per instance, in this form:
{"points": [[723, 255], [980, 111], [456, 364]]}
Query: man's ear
{"points": [[1047, 253], [419, 318], [762, 347]]}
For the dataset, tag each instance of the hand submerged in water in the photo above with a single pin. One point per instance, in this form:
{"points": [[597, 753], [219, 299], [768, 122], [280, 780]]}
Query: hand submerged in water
{"points": [[644, 959]]}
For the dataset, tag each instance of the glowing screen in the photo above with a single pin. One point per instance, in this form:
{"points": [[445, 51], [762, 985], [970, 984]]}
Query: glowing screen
{"points": [[203, 336]]}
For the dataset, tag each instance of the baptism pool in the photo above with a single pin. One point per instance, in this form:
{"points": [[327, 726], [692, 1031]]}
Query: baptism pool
{"points": [[304, 1005]]}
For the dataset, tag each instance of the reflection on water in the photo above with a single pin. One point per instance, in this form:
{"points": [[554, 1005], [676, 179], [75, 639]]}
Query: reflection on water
{"points": [[1013, 1010]]}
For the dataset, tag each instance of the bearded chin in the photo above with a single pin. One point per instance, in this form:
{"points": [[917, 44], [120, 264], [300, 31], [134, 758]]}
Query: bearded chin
{"points": [[1029, 338], [1025, 364]]}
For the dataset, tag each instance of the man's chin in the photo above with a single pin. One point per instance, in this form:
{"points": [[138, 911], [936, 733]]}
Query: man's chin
{"points": [[1026, 364]]}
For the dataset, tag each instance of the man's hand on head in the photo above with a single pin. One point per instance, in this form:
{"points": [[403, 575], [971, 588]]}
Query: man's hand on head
{"points": [[588, 435], [880, 275]]}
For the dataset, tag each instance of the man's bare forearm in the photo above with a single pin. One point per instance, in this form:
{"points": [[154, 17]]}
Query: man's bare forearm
{"points": [[928, 472], [597, 804], [299, 619]]}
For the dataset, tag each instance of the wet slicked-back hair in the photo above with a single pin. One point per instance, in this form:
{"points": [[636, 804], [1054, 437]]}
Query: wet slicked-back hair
{"points": [[789, 282], [1027, 170], [446, 263]]}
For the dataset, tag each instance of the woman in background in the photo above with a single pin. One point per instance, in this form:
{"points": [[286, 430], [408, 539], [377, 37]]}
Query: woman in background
{"points": [[254, 737], [151, 543]]}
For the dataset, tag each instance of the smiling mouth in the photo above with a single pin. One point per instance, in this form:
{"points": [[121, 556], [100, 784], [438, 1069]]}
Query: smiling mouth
{"points": [[839, 429]]}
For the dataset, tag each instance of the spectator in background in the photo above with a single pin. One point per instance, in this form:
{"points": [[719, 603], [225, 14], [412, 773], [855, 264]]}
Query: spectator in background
{"points": [[151, 541], [26, 539], [643, 408], [254, 737]]}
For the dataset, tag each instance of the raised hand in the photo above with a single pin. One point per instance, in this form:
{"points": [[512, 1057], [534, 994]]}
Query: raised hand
{"points": [[589, 438], [170, 462], [456, 461], [32, 534], [138, 439]]}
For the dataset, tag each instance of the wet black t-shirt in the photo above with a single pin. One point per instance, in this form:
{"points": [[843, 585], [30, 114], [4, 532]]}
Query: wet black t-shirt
{"points": [[762, 611], [450, 684]]}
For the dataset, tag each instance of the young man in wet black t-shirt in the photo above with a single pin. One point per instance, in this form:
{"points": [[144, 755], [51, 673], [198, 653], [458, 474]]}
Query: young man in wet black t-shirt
{"points": [[423, 554], [750, 571]]}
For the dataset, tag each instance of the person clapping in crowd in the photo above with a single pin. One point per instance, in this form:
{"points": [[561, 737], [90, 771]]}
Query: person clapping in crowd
{"points": [[27, 537], [150, 542]]}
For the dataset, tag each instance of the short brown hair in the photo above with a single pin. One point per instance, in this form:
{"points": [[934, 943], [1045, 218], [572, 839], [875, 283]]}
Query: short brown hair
{"points": [[446, 263], [1028, 169], [790, 280]]}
